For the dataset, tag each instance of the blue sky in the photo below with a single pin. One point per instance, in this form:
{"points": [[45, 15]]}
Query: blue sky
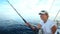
{"points": [[29, 9]]}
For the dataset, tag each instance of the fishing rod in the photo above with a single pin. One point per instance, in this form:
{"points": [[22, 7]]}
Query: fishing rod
{"points": [[29, 25], [17, 12]]}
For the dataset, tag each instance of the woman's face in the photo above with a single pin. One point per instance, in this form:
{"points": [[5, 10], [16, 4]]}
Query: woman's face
{"points": [[43, 16]]}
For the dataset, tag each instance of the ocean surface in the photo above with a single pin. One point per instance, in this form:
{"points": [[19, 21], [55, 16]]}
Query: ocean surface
{"points": [[16, 29], [12, 27]]}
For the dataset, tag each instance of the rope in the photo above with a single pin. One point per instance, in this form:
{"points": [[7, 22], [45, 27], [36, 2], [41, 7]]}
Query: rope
{"points": [[52, 5], [56, 15]]}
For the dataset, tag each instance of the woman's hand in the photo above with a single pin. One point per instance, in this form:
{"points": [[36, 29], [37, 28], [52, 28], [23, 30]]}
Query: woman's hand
{"points": [[29, 25]]}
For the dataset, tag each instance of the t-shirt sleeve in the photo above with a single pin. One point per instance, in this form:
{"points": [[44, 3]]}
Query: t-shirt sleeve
{"points": [[52, 24]]}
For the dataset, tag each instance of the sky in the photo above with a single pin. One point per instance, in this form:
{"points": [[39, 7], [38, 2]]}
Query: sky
{"points": [[29, 9]]}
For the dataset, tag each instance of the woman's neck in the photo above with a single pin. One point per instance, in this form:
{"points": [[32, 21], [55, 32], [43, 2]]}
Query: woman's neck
{"points": [[45, 20]]}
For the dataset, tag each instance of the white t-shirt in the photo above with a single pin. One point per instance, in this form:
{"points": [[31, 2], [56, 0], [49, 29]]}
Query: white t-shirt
{"points": [[47, 26]]}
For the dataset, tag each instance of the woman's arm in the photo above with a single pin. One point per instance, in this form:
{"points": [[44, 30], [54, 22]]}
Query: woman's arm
{"points": [[54, 28]]}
